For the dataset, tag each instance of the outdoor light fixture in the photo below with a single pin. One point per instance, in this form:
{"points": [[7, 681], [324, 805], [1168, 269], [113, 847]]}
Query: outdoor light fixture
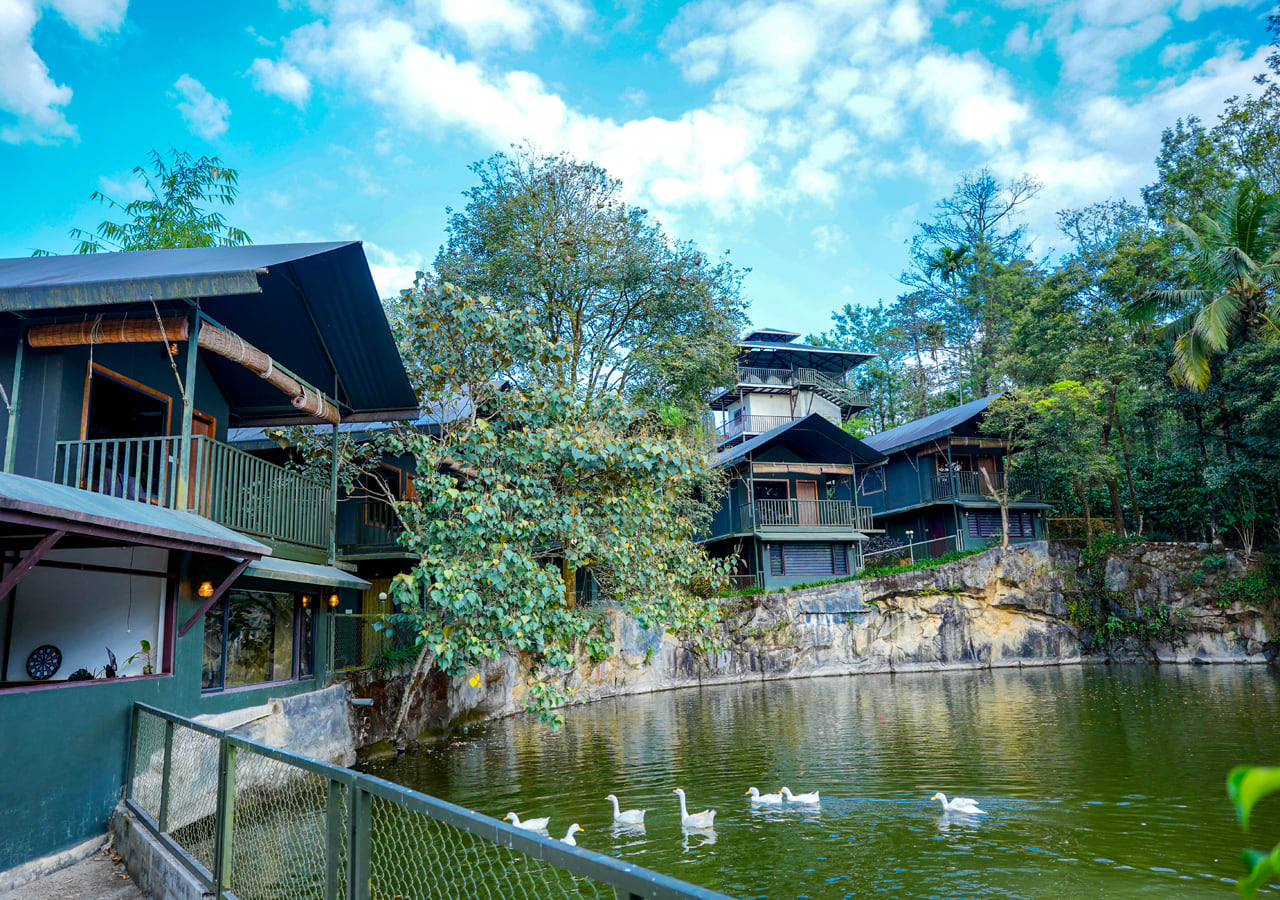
{"points": [[205, 589], [333, 601], [306, 602]]}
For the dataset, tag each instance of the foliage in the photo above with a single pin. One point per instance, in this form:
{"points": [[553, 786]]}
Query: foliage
{"points": [[174, 214], [532, 483], [1246, 787], [917, 565], [1257, 588], [633, 312]]}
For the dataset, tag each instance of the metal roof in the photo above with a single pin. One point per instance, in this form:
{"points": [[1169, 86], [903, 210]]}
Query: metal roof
{"points": [[940, 424], [813, 437], [31, 501], [775, 355], [313, 307], [303, 573], [427, 420], [774, 335]]}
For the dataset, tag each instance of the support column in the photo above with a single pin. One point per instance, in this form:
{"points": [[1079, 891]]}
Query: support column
{"points": [[333, 496], [15, 403], [188, 407]]}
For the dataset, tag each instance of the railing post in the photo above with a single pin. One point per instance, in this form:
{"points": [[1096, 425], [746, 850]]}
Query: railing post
{"points": [[225, 820], [335, 841], [15, 405], [129, 752], [333, 497], [166, 769], [359, 846]]}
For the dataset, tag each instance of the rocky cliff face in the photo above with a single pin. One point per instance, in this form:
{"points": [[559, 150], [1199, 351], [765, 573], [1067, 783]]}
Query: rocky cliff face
{"points": [[998, 608]]}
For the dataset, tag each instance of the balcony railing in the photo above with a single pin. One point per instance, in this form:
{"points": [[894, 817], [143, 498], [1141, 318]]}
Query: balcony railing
{"points": [[802, 515], [229, 486], [368, 524], [833, 389], [750, 425], [973, 484]]}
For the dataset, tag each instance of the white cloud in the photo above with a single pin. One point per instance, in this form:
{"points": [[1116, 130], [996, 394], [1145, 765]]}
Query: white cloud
{"points": [[1175, 54], [205, 114], [283, 79], [489, 23], [27, 90], [1021, 42], [828, 238], [392, 272]]}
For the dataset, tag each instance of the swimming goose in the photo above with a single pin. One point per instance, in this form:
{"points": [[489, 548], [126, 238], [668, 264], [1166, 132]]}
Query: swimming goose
{"points": [[799, 798], [769, 799], [964, 805], [704, 819], [568, 838], [625, 817], [529, 824]]}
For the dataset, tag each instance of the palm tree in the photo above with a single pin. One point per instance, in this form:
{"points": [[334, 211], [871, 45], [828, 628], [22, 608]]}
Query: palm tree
{"points": [[1235, 266]]}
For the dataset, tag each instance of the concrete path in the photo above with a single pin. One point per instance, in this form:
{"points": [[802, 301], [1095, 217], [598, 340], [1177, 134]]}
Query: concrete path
{"points": [[99, 877]]}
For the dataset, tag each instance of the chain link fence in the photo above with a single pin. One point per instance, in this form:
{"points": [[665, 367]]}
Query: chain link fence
{"points": [[253, 822], [908, 553]]}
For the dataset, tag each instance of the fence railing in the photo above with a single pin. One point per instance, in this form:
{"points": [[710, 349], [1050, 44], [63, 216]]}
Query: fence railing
{"points": [[227, 485], [751, 425], [258, 823], [354, 642], [973, 484], [802, 514], [833, 389], [368, 523], [927, 549]]}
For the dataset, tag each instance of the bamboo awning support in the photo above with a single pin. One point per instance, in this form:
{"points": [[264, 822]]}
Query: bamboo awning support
{"points": [[227, 344]]}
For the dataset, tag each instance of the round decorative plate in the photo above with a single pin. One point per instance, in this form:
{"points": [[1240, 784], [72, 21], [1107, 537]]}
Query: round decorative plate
{"points": [[43, 662]]}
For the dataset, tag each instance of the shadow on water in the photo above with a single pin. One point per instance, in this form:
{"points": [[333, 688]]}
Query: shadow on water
{"points": [[1097, 780]]}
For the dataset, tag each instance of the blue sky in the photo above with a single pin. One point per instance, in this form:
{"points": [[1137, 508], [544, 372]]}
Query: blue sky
{"points": [[804, 137]]}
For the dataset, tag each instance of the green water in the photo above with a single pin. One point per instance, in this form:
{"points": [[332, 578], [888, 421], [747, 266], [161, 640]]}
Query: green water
{"points": [[1101, 781]]}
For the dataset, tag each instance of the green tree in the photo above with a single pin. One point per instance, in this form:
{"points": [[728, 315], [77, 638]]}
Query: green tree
{"points": [[638, 314], [174, 214], [1233, 267], [531, 485]]}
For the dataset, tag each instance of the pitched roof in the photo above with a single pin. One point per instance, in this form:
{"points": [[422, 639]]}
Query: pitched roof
{"points": [[937, 425], [813, 437], [313, 307]]}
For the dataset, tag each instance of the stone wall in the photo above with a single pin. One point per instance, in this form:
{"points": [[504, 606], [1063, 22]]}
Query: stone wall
{"points": [[998, 608]]}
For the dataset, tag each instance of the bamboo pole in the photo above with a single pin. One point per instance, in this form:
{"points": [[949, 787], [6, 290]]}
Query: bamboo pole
{"points": [[224, 343]]}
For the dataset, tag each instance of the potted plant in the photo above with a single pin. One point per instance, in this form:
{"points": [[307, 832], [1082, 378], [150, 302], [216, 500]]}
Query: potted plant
{"points": [[148, 664]]}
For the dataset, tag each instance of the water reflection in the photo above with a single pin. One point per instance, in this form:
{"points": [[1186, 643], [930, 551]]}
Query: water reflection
{"points": [[1074, 765]]}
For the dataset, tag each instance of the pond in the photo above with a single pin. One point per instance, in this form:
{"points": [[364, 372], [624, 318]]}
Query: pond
{"points": [[1103, 780]]}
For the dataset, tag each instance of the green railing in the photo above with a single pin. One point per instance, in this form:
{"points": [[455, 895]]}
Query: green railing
{"points": [[973, 484], [802, 515], [229, 486], [257, 823]]}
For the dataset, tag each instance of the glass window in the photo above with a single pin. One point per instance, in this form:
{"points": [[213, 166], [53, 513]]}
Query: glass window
{"points": [[253, 637]]}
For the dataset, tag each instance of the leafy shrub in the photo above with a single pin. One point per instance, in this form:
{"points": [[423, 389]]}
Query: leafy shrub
{"points": [[1255, 589]]}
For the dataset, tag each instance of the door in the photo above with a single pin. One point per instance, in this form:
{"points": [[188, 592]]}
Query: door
{"points": [[987, 468], [199, 471], [807, 502]]}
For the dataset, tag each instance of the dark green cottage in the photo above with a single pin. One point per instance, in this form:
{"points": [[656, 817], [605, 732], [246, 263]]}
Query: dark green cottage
{"points": [[126, 515], [940, 481]]}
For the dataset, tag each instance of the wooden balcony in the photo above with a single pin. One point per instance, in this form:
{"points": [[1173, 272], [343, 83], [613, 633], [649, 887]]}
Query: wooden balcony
{"points": [[804, 515], [741, 426], [972, 485], [226, 485], [368, 527]]}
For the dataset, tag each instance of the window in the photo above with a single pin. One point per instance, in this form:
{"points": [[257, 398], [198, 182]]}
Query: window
{"points": [[769, 489], [255, 637], [987, 524], [808, 559], [873, 481]]}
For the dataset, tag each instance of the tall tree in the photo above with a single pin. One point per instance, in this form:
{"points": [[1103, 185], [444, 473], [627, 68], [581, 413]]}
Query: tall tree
{"points": [[174, 214], [637, 314]]}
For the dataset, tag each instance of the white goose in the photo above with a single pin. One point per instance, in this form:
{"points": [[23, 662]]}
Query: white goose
{"points": [[789, 797], [625, 817], [568, 837], [529, 824], [766, 799], [964, 805], [704, 819]]}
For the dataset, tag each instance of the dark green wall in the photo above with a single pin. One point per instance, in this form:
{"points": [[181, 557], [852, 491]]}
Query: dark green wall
{"points": [[65, 745]]}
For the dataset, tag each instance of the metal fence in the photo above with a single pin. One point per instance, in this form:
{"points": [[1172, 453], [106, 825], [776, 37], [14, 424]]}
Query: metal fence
{"points": [[355, 644], [257, 823], [930, 549]]}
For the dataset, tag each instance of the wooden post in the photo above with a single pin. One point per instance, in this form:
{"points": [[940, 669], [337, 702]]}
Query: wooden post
{"points": [[333, 496], [188, 406], [225, 821], [15, 403]]}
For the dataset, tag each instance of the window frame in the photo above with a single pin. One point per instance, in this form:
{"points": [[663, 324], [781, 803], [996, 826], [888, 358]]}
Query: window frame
{"points": [[299, 612]]}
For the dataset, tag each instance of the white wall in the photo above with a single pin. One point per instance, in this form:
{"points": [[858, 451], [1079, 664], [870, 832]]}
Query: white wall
{"points": [[768, 404], [83, 613]]}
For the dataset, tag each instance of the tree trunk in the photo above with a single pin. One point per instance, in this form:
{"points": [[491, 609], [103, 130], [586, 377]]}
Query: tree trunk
{"points": [[1117, 507], [1128, 475], [1083, 494], [406, 699], [570, 576]]}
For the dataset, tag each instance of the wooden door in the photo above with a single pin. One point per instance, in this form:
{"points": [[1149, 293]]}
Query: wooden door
{"points": [[807, 502], [199, 476], [987, 465]]}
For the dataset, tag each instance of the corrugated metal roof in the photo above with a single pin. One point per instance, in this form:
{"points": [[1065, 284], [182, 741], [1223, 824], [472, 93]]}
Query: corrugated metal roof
{"points": [[776, 355], [813, 437], [73, 506], [256, 438], [937, 425], [303, 573], [313, 307]]}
